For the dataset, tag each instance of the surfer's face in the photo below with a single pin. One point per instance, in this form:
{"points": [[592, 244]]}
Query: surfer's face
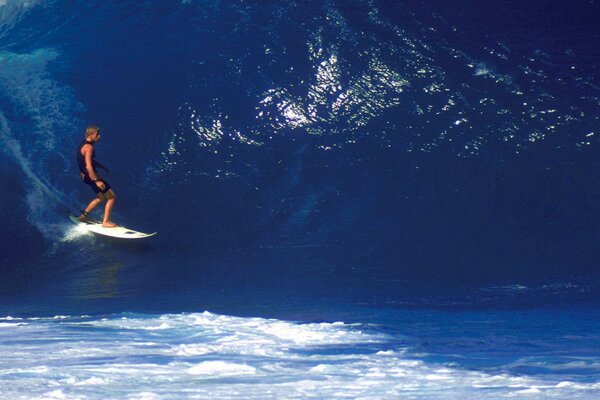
{"points": [[94, 137]]}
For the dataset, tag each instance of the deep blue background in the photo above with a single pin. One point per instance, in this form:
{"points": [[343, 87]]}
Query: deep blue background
{"points": [[391, 215]]}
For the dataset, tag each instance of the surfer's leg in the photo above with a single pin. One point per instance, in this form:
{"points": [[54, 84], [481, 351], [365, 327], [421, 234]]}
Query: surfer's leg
{"points": [[110, 202], [93, 204], [100, 197]]}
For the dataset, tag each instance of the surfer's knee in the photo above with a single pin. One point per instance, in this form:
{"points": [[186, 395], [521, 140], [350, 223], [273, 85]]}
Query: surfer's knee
{"points": [[110, 195]]}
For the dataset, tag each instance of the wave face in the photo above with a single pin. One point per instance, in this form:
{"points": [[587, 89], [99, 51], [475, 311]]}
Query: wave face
{"points": [[371, 152], [425, 172]]}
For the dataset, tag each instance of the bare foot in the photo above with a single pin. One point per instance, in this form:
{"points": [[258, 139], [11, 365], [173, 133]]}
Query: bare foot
{"points": [[83, 218], [109, 224]]}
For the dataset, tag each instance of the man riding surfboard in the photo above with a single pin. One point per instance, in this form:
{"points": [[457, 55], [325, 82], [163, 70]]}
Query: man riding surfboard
{"points": [[87, 167]]}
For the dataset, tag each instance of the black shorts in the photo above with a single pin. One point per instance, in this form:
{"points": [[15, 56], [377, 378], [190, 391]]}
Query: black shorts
{"points": [[95, 187]]}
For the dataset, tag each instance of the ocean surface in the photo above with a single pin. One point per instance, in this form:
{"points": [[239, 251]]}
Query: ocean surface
{"points": [[362, 199]]}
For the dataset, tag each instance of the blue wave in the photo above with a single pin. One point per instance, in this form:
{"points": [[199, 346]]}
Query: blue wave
{"points": [[367, 152], [425, 172]]}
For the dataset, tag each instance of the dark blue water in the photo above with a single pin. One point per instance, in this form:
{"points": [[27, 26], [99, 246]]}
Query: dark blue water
{"points": [[309, 161]]}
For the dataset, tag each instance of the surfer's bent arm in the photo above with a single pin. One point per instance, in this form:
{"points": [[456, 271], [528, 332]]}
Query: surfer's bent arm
{"points": [[98, 165], [89, 164]]}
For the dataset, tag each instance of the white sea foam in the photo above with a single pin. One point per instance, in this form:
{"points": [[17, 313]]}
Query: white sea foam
{"points": [[76, 233], [220, 368], [249, 358], [144, 396], [54, 394], [10, 324]]}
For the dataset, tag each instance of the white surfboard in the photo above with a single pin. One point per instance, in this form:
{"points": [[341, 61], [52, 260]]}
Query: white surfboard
{"points": [[117, 232]]}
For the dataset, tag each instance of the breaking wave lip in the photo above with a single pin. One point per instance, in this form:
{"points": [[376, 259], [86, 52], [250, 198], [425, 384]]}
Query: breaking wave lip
{"points": [[48, 105], [177, 355], [11, 12]]}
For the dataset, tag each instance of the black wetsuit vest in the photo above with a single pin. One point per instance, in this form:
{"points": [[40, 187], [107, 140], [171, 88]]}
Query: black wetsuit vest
{"points": [[81, 159]]}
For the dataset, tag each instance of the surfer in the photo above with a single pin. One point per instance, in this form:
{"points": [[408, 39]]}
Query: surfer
{"points": [[88, 166]]}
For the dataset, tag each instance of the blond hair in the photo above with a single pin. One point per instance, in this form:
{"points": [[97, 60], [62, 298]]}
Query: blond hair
{"points": [[90, 130]]}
